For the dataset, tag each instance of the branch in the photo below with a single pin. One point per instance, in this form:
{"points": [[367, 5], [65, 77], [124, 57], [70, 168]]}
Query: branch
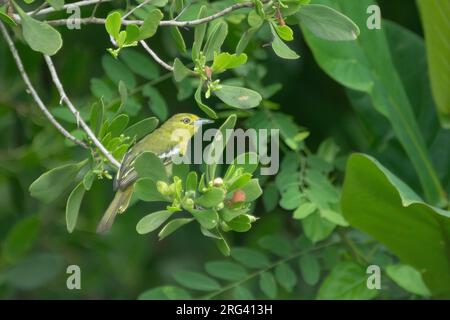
{"points": [[65, 7], [173, 22], [33, 92], [155, 56], [76, 113]]}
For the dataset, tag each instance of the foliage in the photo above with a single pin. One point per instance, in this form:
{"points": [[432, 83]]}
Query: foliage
{"points": [[308, 232]]}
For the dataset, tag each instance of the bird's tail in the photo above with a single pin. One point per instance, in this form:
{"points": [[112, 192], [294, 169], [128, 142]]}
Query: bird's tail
{"points": [[118, 205]]}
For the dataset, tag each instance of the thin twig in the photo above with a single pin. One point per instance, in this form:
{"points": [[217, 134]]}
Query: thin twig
{"points": [[94, 11], [40, 8], [33, 92], [135, 8], [76, 113], [155, 56]]}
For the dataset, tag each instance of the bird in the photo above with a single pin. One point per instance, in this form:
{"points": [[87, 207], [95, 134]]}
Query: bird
{"points": [[170, 139]]}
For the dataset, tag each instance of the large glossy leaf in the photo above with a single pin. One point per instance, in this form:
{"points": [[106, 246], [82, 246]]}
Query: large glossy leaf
{"points": [[366, 65], [377, 202], [437, 28]]}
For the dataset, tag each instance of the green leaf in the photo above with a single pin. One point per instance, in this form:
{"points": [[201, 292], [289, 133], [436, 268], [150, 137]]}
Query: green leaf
{"points": [[268, 285], [208, 219], [333, 217], [56, 4], [242, 293], [245, 39], [198, 98], [178, 39], [88, 180], [173, 226], [156, 102], [40, 36], [326, 23], [150, 25], [199, 34], [241, 223], [250, 258], [291, 198], [285, 276], [148, 165], [117, 72], [223, 246], [20, 239], [310, 269], [152, 221], [211, 198], [113, 23], [224, 61], [196, 281], [366, 65], [276, 244], [239, 182], [145, 189], [217, 146], [237, 97], [254, 20], [346, 281], [252, 190], [285, 32], [435, 25], [225, 270], [165, 293], [7, 19], [280, 48], [118, 124], [377, 202], [140, 64], [34, 271], [53, 183], [270, 197], [73, 206], [180, 71], [408, 278], [141, 128], [304, 210], [132, 31], [215, 40], [191, 182], [317, 229]]}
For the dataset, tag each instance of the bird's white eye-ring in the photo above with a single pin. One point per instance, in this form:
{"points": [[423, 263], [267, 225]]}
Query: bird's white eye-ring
{"points": [[186, 120]]}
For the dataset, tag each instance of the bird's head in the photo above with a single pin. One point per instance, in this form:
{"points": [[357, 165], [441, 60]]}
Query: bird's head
{"points": [[186, 121]]}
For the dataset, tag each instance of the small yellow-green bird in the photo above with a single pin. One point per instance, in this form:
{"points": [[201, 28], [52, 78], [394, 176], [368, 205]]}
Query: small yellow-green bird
{"points": [[170, 139]]}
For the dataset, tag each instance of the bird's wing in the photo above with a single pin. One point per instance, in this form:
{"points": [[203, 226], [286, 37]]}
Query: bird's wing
{"points": [[127, 175]]}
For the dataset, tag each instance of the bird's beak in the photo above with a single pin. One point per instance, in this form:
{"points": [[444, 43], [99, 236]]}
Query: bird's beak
{"points": [[201, 122]]}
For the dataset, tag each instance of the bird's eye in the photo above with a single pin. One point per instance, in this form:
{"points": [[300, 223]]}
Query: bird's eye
{"points": [[186, 120]]}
